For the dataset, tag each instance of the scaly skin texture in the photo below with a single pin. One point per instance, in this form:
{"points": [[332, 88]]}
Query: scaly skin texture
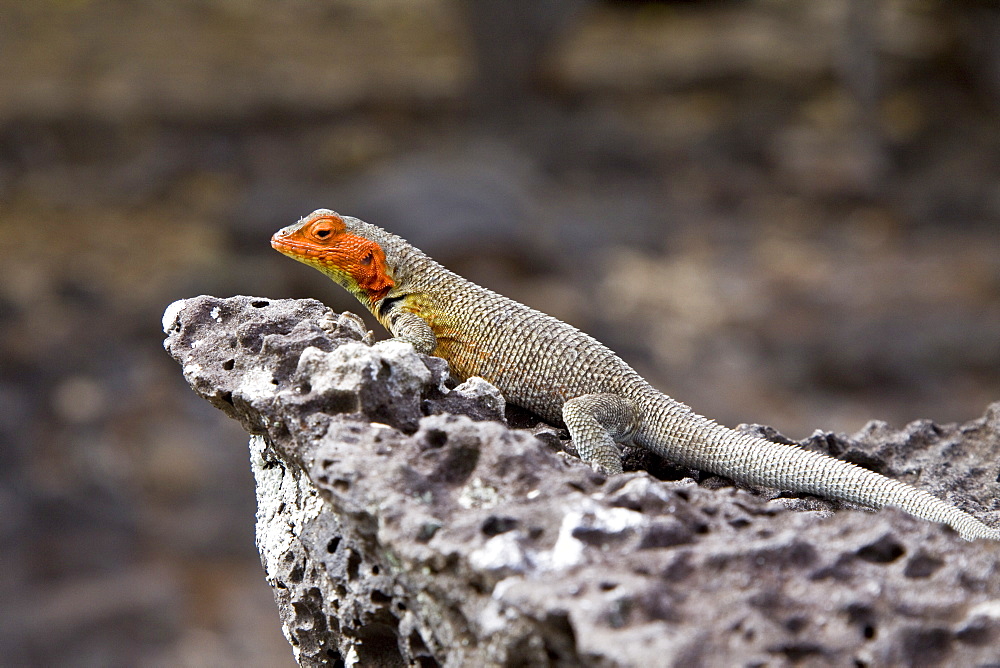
{"points": [[567, 377]]}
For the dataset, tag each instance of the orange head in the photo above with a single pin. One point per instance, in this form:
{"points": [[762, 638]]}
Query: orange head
{"points": [[337, 247]]}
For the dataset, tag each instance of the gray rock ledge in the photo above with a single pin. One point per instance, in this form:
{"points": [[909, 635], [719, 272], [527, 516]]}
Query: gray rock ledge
{"points": [[402, 522]]}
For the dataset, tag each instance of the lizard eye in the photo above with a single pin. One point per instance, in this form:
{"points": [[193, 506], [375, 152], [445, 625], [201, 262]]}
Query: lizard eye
{"points": [[322, 231], [367, 259]]}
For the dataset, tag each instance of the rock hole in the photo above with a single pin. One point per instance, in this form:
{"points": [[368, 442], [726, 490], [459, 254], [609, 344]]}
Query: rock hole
{"points": [[303, 613], [864, 616], [228, 398], [435, 438], [925, 647], [664, 534], [418, 648], [797, 652], [796, 624], [378, 644], [375, 570], [417, 643], [380, 598], [560, 641], [297, 573], [494, 526], [229, 364], [305, 387], [341, 485], [340, 401], [922, 565], [427, 531], [333, 544], [979, 632], [260, 303], [353, 564], [883, 551]]}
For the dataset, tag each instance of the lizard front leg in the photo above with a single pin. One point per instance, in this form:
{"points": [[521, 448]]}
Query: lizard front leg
{"points": [[596, 422], [410, 327]]}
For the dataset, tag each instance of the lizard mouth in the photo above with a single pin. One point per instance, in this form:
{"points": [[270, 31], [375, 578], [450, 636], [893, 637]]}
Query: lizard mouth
{"points": [[302, 251], [281, 243]]}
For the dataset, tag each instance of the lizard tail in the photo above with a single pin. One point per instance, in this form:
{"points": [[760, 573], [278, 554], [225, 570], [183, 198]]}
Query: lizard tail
{"points": [[709, 446]]}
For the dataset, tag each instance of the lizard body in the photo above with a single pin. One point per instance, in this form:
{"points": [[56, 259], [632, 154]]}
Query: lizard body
{"points": [[567, 377]]}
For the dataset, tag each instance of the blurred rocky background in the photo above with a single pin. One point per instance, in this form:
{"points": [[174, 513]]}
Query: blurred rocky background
{"points": [[780, 212]]}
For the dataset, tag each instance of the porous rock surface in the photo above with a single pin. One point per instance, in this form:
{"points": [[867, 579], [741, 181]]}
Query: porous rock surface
{"points": [[401, 521]]}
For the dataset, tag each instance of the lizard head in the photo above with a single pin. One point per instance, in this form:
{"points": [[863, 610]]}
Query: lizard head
{"points": [[340, 247]]}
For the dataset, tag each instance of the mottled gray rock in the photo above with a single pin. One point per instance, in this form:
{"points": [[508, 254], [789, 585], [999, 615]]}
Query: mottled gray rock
{"points": [[402, 522]]}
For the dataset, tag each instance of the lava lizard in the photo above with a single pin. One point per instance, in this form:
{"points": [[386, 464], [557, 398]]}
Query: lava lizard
{"points": [[567, 377]]}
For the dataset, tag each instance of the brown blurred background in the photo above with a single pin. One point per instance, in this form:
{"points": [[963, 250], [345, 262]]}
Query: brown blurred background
{"points": [[778, 211]]}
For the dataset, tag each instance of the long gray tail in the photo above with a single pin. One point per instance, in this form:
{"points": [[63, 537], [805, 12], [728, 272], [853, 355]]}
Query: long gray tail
{"points": [[708, 446]]}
